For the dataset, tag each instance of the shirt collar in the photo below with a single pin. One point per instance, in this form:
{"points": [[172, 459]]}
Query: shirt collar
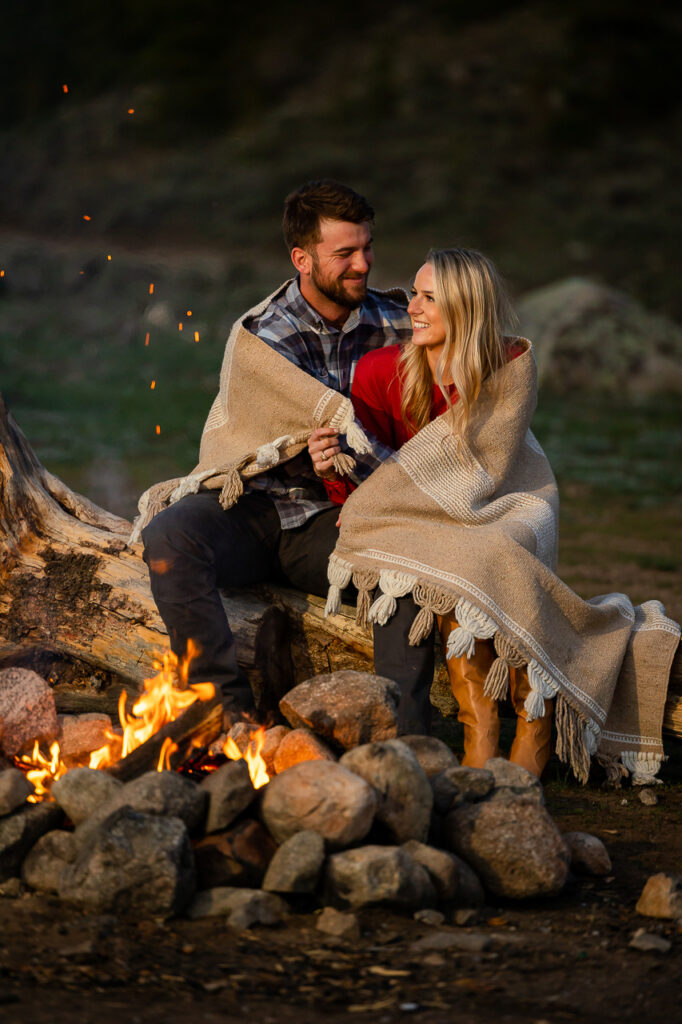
{"points": [[302, 310]]}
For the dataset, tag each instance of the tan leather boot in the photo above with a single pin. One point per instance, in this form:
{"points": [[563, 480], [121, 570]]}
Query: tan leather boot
{"points": [[532, 744], [477, 713]]}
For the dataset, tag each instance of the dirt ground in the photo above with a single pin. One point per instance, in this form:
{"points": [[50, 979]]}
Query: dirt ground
{"points": [[555, 960]]}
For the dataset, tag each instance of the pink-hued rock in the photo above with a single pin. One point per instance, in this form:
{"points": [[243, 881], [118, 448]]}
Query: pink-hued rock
{"points": [[27, 710], [80, 735], [346, 707], [300, 745], [273, 738], [320, 796]]}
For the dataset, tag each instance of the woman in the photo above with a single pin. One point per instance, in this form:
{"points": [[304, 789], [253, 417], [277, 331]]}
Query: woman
{"points": [[459, 311]]}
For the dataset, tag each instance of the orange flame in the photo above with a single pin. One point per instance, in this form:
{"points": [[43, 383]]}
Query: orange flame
{"points": [[252, 756], [161, 702], [43, 770]]}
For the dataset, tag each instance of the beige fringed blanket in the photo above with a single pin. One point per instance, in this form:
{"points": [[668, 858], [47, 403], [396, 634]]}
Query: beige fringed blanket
{"points": [[264, 412], [472, 529]]}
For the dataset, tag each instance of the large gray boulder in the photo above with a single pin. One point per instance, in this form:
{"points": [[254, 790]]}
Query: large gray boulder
{"points": [[83, 791], [404, 794], [433, 755], [460, 784], [159, 793], [514, 847], [589, 337], [22, 830], [452, 878], [347, 708], [512, 782], [296, 865], [14, 790], [133, 863], [42, 868], [27, 710], [229, 791], [322, 796], [379, 875]]}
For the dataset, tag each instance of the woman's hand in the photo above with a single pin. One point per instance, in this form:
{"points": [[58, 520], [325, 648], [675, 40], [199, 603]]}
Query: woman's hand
{"points": [[323, 445]]}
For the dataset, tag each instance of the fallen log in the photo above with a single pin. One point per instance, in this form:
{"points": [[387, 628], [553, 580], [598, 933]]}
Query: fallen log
{"points": [[72, 586]]}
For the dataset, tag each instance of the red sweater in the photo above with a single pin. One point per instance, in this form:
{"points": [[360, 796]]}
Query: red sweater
{"points": [[376, 396]]}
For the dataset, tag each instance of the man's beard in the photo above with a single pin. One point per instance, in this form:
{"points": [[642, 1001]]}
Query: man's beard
{"points": [[334, 289]]}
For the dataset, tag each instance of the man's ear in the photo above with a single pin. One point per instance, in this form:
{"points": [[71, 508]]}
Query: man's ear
{"points": [[302, 260]]}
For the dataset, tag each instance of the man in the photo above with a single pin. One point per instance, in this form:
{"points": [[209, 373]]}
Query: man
{"points": [[284, 526]]}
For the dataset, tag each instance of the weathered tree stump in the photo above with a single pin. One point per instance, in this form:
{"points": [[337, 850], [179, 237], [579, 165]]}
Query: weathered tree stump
{"points": [[72, 586]]}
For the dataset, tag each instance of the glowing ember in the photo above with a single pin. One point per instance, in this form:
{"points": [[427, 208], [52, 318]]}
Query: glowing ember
{"points": [[189, 312], [42, 771], [146, 339], [161, 702], [158, 429], [152, 385], [151, 289], [65, 88], [109, 256], [196, 335], [131, 110], [252, 756], [87, 216], [180, 326]]}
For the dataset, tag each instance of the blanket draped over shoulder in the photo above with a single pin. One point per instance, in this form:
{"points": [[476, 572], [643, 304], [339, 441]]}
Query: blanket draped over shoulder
{"points": [[264, 412], [470, 528]]}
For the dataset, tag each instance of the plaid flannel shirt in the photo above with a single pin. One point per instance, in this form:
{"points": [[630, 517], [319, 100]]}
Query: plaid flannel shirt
{"points": [[294, 329]]}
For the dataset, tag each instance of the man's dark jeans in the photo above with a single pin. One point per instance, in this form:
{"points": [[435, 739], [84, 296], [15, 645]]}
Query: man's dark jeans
{"points": [[194, 547]]}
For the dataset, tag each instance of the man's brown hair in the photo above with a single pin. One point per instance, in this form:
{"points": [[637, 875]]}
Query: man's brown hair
{"points": [[317, 200]]}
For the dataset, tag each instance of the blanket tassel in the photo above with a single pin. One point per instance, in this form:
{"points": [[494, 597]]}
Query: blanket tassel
{"points": [[571, 745], [497, 681], [232, 489], [365, 581], [432, 601]]}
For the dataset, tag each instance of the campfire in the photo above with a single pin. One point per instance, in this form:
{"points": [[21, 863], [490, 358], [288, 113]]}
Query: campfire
{"points": [[165, 697]]}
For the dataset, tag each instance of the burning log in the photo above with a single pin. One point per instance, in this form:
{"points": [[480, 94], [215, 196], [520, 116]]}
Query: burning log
{"points": [[198, 726]]}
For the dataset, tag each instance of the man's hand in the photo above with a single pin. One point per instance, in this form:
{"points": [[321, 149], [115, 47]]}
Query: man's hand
{"points": [[323, 445]]}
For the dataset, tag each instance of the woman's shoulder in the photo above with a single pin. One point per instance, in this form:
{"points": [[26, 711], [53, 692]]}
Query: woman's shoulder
{"points": [[379, 359]]}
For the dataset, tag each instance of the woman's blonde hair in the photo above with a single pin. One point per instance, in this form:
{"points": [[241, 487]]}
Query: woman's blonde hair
{"points": [[475, 309]]}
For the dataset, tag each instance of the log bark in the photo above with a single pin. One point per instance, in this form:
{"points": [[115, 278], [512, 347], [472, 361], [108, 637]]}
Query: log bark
{"points": [[72, 585]]}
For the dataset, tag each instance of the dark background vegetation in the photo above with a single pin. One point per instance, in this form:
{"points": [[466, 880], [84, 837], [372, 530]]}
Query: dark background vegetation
{"points": [[545, 133]]}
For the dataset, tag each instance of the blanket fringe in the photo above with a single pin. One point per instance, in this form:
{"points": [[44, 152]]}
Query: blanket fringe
{"points": [[344, 422], [232, 489], [472, 624], [393, 585], [153, 501], [268, 455], [339, 574], [643, 767], [496, 685], [573, 744], [432, 601], [542, 687], [365, 581], [343, 464]]}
